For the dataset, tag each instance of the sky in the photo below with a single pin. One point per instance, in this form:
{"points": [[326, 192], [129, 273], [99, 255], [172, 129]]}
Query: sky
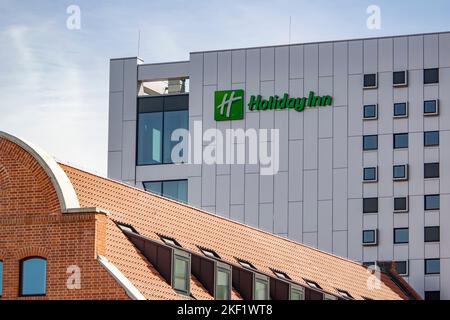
{"points": [[54, 80]]}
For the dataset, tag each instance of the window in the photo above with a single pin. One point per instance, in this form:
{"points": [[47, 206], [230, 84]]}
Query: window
{"points": [[431, 138], [431, 76], [402, 267], [370, 81], [281, 275], [1, 278], [400, 140], [344, 294], [432, 234], [246, 264], [432, 295], [127, 228], [181, 272], [401, 204], [400, 78], [431, 170], [174, 189], [370, 174], [432, 202], [431, 108], [297, 293], [401, 235], [210, 253], [400, 172], [370, 112], [370, 237], [327, 296], [370, 143], [170, 241], [33, 276], [432, 266], [312, 284], [223, 284], [370, 205], [158, 117], [400, 110], [261, 289]]}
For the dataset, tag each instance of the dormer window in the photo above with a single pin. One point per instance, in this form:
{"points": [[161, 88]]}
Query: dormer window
{"points": [[181, 271], [223, 282], [261, 287]]}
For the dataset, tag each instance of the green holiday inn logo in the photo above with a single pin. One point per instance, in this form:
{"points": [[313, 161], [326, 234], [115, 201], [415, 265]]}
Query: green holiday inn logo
{"points": [[229, 104]]}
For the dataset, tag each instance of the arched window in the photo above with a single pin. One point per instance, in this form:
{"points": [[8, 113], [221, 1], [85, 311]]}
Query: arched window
{"points": [[33, 276]]}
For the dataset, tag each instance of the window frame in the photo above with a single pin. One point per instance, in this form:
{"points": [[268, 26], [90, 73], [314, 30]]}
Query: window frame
{"points": [[406, 209], [185, 256], [433, 240], [222, 267], [396, 135], [375, 116], [21, 267], [433, 168], [425, 202], [425, 266], [401, 115], [370, 210], [370, 180], [406, 262], [425, 138], [262, 279], [162, 188], [405, 177], [297, 288], [400, 242], [370, 136], [375, 238], [425, 81], [436, 112], [405, 83], [163, 109], [375, 86], [430, 292]]}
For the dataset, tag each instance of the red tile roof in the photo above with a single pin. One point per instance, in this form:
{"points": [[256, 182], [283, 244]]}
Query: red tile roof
{"points": [[151, 215]]}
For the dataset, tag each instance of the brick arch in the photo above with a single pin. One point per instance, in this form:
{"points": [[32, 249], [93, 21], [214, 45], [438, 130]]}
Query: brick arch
{"points": [[31, 251]]}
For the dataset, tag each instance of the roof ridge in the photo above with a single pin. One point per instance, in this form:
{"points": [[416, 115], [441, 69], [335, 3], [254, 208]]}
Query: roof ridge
{"points": [[215, 215]]}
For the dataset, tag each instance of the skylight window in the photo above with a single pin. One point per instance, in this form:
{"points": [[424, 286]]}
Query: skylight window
{"points": [[281, 275], [210, 253], [170, 241], [246, 264], [345, 294], [127, 228], [312, 284]]}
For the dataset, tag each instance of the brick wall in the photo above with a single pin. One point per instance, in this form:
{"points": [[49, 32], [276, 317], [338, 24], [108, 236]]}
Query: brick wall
{"points": [[31, 224]]}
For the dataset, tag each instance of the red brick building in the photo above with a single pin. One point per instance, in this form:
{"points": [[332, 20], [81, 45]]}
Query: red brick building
{"points": [[69, 234]]}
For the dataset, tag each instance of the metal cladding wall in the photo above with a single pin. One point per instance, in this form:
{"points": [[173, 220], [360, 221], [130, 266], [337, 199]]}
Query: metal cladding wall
{"points": [[316, 198]]}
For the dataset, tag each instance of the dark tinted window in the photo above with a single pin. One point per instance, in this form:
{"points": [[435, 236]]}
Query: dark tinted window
{"points": [[401, 204], [400, 140], [370, 174], [432, 295], [432, 202], [33, 276], [400, 109], [173, 189], [400, 172], [431, 138], [370, 143], [399, 77], [432, 266], [370, 111], [401, 235], [430, 107], [370, 205], [369, 236], [401, 267], [431, 170], [431, 76], [432, 234], [370, 80]]}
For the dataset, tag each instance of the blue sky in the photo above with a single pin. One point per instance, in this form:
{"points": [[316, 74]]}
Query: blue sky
{"points": [[54, 81]]}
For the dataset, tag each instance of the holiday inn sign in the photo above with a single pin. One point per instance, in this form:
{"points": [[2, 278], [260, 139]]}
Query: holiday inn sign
{"points": [[229, 104]]}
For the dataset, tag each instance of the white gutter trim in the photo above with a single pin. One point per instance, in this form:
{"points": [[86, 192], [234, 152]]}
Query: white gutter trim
{"points": [[130, 289]]}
